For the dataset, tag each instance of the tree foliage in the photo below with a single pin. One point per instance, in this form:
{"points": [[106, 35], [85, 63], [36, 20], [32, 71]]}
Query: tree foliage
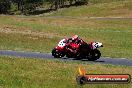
{"points": [[5, 5], [26, 6]]}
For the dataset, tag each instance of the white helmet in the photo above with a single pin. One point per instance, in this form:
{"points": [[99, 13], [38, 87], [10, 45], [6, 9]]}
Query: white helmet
{"points": [[75, 37]]}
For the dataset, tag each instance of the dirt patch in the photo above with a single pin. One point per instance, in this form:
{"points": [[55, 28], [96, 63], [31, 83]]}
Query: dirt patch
{"points": [[28, 32], [122, 13], [57, 21]]}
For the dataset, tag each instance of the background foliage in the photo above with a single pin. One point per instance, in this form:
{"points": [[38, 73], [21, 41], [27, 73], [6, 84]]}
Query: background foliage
{"points": [[27, 6]]}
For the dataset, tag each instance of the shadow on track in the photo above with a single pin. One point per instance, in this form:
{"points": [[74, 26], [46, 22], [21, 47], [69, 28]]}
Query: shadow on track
{"points": [[85, 60]]}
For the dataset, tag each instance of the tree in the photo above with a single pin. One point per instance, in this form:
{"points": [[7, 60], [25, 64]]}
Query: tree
{"points": [[30, 5], [27, 6], [5, 5]]}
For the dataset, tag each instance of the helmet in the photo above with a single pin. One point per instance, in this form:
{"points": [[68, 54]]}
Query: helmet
{"points": [[75, 37]]}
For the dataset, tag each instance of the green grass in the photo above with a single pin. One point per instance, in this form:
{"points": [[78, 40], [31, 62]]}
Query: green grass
{"points": [[41, 34], [37, 73], [21, 42], [103, 1], [98, 8]]}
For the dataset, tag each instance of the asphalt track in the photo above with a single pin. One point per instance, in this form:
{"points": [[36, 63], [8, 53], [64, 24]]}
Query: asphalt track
{"points": [[102, 60]]}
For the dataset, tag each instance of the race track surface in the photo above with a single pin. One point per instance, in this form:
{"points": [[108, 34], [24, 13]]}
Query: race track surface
{"points": [[102, 60]]}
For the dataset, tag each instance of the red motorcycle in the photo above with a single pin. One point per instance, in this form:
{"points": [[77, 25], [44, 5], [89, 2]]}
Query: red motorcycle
{"points": [[81, 50]]}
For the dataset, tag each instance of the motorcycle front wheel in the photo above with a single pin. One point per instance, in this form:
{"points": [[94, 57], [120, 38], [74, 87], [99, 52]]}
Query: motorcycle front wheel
{"points": [[94, 55]]}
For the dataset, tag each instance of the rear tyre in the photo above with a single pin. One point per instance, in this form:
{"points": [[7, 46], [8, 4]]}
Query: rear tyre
{"points": [[94, 55], [57, 54]]}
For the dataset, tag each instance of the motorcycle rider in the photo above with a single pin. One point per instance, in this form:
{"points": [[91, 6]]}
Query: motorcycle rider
{"points": [[74, 39]]}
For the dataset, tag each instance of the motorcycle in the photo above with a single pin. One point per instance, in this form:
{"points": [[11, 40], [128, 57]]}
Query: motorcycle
{"points": [[83, 50]]}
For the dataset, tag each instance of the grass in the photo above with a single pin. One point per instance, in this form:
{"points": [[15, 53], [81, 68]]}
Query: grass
{"points": [[99, 8], [37, 73], [41, 34]]}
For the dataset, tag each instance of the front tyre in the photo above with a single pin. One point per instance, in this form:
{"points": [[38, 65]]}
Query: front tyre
{"points": [[57, 54], [94, 55]]}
